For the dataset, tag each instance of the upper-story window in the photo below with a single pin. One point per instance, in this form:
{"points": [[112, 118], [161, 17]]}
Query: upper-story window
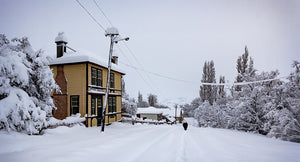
{"points": [[112, 80], [96, 77]]}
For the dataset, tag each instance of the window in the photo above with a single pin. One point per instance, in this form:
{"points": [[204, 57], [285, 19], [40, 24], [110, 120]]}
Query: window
{"points": [[99, 105], [99, 77], [112, 80], [93, 105], [99, 110], [96, 77], [74, 104], [112, 104]]}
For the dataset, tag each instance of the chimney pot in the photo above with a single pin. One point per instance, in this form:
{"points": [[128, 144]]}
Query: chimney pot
{"points": [[115, 59], [61, 42]]}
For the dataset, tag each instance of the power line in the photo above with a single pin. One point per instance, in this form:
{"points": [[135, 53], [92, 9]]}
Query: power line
{"points": [[103, 13], [121, 51], [201, 83], [136, 69], [90, 15], [157, 74], [104, 30], [130, 51]]}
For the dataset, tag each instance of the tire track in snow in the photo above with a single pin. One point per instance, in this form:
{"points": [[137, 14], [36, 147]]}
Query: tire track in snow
{"points": [[181, 155], [152, 146]]}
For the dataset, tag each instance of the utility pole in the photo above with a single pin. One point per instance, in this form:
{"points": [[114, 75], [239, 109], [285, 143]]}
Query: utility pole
{"points": [[113, 33], [175, 112]]}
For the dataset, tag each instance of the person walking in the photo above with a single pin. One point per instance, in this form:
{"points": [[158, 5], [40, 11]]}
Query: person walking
{"points": [[185, 125]]}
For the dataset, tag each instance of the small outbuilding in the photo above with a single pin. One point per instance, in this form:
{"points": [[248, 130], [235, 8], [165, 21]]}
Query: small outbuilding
{"points": [[171, 115], [149, 113]]}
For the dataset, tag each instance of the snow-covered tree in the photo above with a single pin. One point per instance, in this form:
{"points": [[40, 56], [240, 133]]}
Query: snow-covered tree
{"points": [[26, 82], [189, 109], [282, 119], [211, 115], [269, 108], [141, 102], [244, 68], [208, 92], [140, 97], [152, 100], [282, 124], [221, 91], [128, 105]]}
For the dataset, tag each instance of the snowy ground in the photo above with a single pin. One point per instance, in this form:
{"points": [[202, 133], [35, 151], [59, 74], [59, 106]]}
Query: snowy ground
{"points": [[125, 142]]}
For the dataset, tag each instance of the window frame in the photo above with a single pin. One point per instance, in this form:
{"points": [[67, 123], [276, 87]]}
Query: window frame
{"points": [[74, 106], [112, 80], [112, 104], [96, 76]]}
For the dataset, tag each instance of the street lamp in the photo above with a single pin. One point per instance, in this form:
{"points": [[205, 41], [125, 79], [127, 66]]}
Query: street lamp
{"points": [[118, 39], [113, 33]]}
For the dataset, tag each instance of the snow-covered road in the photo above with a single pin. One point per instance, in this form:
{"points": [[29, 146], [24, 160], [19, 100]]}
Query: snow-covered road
{"points": [[163, 143]]}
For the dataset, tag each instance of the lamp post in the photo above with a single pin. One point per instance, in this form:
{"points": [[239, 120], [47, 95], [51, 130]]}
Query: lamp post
{"points": [[113, 33]]}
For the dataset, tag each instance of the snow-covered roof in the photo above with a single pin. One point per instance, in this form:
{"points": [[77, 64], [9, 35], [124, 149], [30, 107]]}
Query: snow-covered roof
{"points": [[149, 110], [164, 111], [84, 56], [61, 37]]}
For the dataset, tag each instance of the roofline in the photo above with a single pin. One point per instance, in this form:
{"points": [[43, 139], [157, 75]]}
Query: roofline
{"points": [[149, 113], [84, 62]]}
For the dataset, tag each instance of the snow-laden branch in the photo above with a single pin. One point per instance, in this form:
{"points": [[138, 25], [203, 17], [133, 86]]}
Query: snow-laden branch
{"points": [[241, 83]]}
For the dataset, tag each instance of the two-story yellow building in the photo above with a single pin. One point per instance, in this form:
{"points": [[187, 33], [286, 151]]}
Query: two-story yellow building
{"points": [[82, 81]]}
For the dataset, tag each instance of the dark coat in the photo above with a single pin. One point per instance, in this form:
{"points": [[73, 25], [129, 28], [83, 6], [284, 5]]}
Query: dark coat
{"points": [[185, 125]]}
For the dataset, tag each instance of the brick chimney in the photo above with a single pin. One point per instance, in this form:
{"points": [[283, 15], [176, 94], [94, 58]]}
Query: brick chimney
{"points": [[114, 59], [61, 42]]}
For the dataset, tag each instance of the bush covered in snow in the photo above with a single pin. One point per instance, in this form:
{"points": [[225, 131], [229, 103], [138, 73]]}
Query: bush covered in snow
{"points": [[129, 106], [69, 121], [270, 108], [26, 83]]}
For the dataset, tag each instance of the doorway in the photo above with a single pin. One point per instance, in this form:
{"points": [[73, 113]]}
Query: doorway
{"points": [[99, 110]]}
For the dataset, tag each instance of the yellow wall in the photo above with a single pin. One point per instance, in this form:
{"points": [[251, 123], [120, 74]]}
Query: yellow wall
{"points": [[76, 81]]}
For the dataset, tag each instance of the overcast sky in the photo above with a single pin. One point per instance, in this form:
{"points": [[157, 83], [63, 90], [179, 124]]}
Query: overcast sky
{"points": [[172, 37]]}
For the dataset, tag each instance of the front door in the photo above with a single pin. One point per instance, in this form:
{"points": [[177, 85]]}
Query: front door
{"points": [[99, 110]]}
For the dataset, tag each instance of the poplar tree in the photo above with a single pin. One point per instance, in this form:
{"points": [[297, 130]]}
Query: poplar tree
{"points": [[244, 68], [140, 97], [152, 100], [208, 92], [221, 91]]}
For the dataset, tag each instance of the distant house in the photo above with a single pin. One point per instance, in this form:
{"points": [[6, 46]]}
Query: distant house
{"points": [[82, 80], [149, 113], [160, 113]]}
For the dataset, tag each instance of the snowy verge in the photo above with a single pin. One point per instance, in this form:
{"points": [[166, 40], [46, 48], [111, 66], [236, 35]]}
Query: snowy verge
{"points": [[69, 121]]}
